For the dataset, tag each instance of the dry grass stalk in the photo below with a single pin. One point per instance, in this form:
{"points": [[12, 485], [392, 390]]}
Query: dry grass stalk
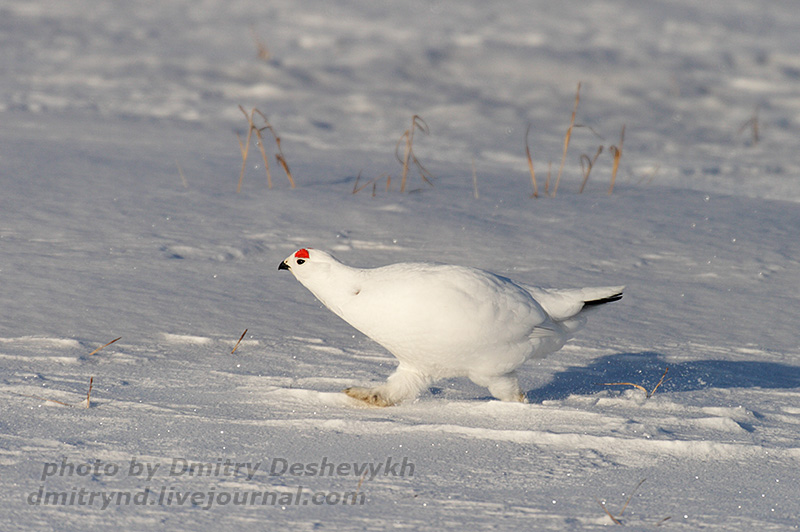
{"points": [[373, 182], [408, 157], [586, 166], [278, 156], [89, 393], [355, 185], [62, 403], [660, 381], [245, 147], [238, 342], [180, 172], [617, 151], [263, 152], [590, 128], [282, 160], [104, 346], [753, 124], [357, 189], [567, 137], [547, 181], [530, 164], [260, 141], [609, 514], [263, 51], [622, 511], [618, 520], [360, 482], [408, 138], [475, 193], [649, 394]]}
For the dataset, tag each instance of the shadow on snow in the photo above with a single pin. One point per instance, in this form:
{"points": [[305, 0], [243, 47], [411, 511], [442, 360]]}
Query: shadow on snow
{"points": [[646, 368]]}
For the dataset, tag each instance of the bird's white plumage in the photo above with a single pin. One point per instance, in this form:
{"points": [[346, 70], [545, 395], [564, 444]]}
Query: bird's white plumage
{"points": [[444, 320]]}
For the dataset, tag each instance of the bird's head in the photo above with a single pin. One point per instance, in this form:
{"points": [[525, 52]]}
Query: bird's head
{"points": [[327, 278], [307, 264]]}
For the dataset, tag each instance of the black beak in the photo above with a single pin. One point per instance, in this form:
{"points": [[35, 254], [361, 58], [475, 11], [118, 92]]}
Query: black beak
{"points": [[283, 266]]}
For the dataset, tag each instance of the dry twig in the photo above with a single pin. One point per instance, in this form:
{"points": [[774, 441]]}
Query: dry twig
{"points": [[263, 51], [649, 394], [408, 157], [373, 182], [618, 520], [238, 342], [530, 164], [609, 514], [567, 137], [104, 346], [753, 124], [586, 166], [62, 403], [617, 151], [89, 393], [245, 148], [622, 511], [180, 172], [474, 181]]}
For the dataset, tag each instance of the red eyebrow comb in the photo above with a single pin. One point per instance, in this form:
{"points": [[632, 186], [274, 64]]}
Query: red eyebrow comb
{"points": [[301, 254]]}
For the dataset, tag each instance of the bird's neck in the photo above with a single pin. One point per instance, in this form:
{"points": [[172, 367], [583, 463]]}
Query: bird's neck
{"points": [[337, 288]]}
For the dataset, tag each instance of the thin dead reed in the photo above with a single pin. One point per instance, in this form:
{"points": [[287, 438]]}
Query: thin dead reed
{"points": [[245, 147], [89, 393], [586, 166], [617, 151], [238, 342], [62, 403], [549, 175], [475, 193], [104, 346], [587, 162], [180, 173], [618, 520], [407, 138], [530, 164], [407, 160], [752, 123], [567, 138], [374, 182], [648, 394], [263, 51]]}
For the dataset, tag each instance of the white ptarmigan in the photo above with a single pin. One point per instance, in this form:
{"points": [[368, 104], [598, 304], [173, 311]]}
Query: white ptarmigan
{"points": [[446, 321]]}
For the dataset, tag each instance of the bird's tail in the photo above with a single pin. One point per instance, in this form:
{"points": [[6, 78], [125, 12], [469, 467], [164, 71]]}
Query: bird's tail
{"points": [[562, 304], [603, 300]]}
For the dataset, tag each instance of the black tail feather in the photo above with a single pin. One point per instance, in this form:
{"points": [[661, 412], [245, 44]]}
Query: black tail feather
{"points": [[610, 299]]}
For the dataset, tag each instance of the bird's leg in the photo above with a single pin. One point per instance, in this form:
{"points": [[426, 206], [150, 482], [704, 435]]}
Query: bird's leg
{"points": [[404, 383], [504, 387]]}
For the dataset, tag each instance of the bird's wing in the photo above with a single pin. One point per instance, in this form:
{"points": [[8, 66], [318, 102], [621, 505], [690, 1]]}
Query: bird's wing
{"points": [[452, 302]]}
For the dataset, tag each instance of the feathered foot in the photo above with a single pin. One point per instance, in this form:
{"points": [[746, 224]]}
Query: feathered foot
{"points": [[504, 387], [371, 396]]}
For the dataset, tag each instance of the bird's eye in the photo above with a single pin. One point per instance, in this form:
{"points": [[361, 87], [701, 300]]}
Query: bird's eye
{"points": [[300, 261]]}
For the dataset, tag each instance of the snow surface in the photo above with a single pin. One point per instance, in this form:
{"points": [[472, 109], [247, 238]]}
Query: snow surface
{"points": [[102, 102]]}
